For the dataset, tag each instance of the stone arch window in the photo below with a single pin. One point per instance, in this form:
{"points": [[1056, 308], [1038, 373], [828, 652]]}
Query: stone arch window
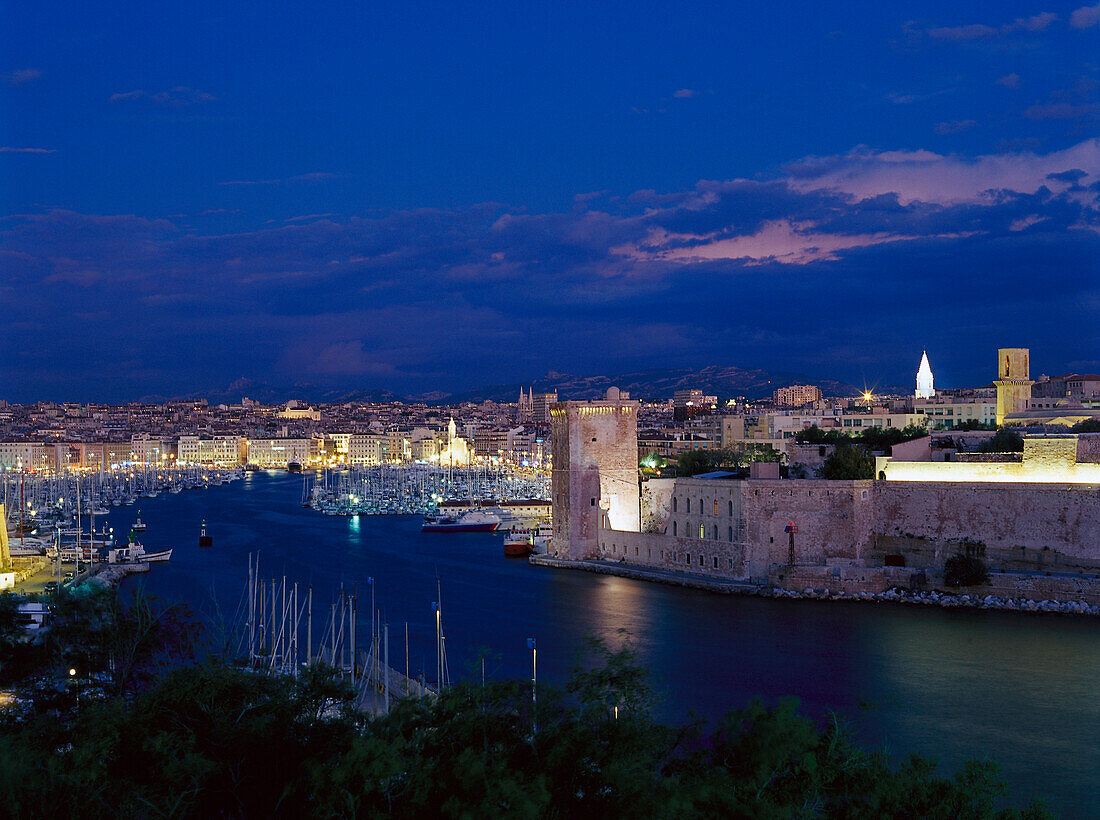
{"points": [[673, 527], [715, 532], [731, 508], [687, 505], [881, 475], [701, 507], [731, 535], [674, 503], [702, 530]]}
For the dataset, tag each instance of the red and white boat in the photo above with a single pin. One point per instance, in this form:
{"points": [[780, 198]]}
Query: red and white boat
{"points": [[519, 544]]}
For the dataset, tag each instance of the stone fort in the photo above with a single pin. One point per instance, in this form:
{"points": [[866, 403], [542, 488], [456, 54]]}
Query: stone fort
{"points": [[1035, 513]]}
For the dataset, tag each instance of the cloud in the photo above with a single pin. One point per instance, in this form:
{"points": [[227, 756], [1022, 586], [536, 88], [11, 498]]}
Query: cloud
{"points": [[975, 31], [316, 176], [433, 298], [1085, 17], [932, 178], [954, 127], [685, 93], [178, 97], [1009, 80], [981, 31], [21, 76], [7, 149], [1072, 176], [1062, 111]]}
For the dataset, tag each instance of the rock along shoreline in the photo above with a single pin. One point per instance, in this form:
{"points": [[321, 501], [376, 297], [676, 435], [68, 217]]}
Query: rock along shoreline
{"points": [[937, 598]]}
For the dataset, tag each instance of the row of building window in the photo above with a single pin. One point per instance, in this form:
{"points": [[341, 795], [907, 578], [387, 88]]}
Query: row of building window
{"points": [[702, 531], [687, 505]]}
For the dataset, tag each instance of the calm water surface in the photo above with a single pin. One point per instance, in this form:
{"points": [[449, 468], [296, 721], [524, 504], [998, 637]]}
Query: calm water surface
{"points": [[1022, 689]]}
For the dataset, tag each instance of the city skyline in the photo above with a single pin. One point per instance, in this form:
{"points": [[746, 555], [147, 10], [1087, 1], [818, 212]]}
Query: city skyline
{"points": [[434, 199]]}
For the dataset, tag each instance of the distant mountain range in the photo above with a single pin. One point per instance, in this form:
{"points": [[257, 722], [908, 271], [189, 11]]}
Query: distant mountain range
{"points": [[657, 383]]}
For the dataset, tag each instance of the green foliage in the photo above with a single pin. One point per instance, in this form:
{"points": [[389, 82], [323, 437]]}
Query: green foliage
{"points": [[1004, 440], [849, 462], [215, 741], [1087, 426], [974, 424], [964, 571], [122, 648], [694, 462], [874, 438]]}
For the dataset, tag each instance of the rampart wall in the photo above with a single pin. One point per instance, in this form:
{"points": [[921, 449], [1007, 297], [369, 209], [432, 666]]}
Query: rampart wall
{"points": [[1048, 527], [698, 555]]}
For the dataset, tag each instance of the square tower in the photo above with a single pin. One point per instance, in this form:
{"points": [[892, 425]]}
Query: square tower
{"points": [[1013, 381], [595, 472]]}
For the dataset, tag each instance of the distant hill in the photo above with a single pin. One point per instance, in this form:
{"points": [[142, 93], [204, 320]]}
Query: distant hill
{"points": [[659, 383]]}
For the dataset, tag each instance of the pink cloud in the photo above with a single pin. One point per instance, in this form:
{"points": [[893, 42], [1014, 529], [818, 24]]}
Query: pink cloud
{"points": [[21, 76], [1085, 17], [780, 240], [975, 31], [980, 31], [684, 93], [177, 97], [1062, 111], [7, 149], [929, 177], [1009, 80]]}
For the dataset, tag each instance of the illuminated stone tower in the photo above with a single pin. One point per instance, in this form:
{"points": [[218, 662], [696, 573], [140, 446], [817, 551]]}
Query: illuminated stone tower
{"points": [[925, 390], [595, 447], [1013, 382]]}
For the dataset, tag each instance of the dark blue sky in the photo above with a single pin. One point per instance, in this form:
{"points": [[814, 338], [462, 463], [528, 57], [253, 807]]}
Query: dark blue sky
{"points": [[425, 196]]}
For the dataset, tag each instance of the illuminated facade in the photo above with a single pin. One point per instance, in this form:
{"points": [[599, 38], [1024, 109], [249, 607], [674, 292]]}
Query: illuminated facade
{"points": [[595, 472], [1013, 382], [796, 395], [1065, 459], [925, 388]]}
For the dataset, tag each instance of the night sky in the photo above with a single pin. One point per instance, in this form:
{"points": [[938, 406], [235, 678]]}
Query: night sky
{"points": [[420, 196]]}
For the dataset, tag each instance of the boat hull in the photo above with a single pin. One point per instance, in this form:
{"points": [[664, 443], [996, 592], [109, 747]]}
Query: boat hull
{"points": [[489, 526], [518, 550]]}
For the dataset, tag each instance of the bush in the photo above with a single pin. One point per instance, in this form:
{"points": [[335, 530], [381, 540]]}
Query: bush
{"points": [[1003, 441], [964, 571], [849, 462]]}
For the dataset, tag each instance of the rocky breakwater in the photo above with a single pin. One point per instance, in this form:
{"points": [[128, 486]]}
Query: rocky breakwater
{"points": [[941, 599], [111, 575]]}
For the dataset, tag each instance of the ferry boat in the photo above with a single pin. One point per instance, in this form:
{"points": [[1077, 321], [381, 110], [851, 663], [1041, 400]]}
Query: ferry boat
{"points": [[473, 521], [294, 467]]}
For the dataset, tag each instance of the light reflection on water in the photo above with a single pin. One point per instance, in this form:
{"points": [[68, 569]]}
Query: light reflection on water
{"points": [[947, 683]]}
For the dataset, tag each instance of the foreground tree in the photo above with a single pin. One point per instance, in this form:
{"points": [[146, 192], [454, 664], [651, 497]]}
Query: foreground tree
{"points": [[214, 741]]}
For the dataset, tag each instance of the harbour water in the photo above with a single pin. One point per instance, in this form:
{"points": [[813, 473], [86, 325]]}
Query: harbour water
{"points": [[952, 684]]}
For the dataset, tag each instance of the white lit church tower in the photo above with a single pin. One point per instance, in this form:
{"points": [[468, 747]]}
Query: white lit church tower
{"points": [[925, 390]]}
